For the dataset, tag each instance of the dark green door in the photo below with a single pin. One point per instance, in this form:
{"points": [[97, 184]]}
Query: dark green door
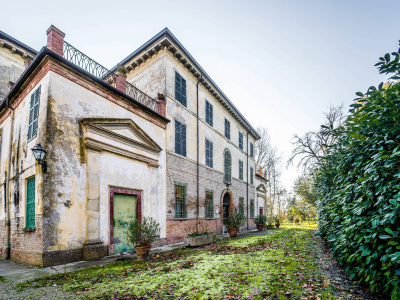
{"points": [[225, 209], [124, 212]]}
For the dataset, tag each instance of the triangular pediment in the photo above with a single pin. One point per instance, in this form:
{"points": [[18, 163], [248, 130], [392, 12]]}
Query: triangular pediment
{"points": [[122, 131], [261, 188]]}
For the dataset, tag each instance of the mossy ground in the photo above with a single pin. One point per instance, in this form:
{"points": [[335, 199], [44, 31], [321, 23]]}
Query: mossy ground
{"points": [[282, 265]]}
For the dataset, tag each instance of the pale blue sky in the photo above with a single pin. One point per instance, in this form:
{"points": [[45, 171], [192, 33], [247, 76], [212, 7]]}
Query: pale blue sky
{"points": [[282, 63]]}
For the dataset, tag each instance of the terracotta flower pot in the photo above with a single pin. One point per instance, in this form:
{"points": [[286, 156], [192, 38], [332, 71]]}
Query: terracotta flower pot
{"points": [[142, 252], [233, 231], [260, 227]]}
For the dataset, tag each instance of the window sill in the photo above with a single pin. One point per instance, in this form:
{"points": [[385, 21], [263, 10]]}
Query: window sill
{"points": [[30, 229], [181, 219], [210, 218]]}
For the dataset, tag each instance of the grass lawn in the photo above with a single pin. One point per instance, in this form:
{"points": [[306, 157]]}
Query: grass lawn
{"points": [[281, 265]]}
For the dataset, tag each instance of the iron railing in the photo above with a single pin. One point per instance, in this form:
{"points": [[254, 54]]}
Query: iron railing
{"points": [[84, 62], [138, 95]]}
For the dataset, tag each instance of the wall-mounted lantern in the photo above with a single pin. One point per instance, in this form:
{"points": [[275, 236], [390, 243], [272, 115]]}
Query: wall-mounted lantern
{"points": [[40, 154]]}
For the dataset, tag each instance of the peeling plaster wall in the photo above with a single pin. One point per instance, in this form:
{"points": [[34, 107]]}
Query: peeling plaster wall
{"points": [[11, 67], [25, 246], [150, 76], [67, 214]]}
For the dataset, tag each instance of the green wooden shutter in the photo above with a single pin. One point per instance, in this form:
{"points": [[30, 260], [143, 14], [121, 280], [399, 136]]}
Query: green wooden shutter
{"points": [[183, 91], [30, 203], [180, 200], [177, 87], [251, 208], [227, 166], [33, 114], [209, 204]]}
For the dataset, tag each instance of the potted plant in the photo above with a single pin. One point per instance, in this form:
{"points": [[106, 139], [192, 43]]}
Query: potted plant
{"points": [[235, 220], [141, 233], [277, 220], [260, 220]]}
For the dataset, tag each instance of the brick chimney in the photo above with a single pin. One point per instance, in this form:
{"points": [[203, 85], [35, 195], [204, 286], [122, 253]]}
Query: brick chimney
{"points": [[55, 40], [27, 62], [259, 171], [121, 83], [161, 105]]}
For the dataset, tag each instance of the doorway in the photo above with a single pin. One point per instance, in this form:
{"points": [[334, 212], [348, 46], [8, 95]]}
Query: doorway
{"points": [[225, 208], [125, 206]]}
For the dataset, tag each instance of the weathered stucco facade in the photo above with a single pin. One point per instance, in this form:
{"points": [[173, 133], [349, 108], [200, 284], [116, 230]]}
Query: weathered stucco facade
{"points": [[99, 142], [13, 56]]}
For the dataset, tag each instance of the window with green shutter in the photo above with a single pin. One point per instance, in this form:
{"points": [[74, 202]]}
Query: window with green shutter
{"points": [[251, 150], [240, 140], [240, 169], [33, 114], [241, 206], [30, 203], [180, 138], [227, 129], [209, 113], [209, 154], [209, 204], [180, 200], [251, 175], [227, 166], [180, 89], [252, 208]]}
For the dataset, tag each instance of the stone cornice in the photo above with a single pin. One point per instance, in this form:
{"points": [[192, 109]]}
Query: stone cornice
{"points": [[14, 49]]}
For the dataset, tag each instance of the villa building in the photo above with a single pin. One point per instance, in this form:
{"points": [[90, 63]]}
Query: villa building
{"points": [[153, 136]]}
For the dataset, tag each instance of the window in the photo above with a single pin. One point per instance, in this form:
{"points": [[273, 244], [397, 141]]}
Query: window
{"points": [[180, 200], [241, 206], [227, 166], [251, 175], [240, 170], [30, 203], [252, 208], [209, 113], [209, 204], [227, 129], [180, 89], [251, 150], [33, 115], [209, 154], [180, 138], [240, 140]]}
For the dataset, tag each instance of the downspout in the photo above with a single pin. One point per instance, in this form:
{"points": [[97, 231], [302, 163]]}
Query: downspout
{"points": [[7, 198], [198, 155], [247, 176]]}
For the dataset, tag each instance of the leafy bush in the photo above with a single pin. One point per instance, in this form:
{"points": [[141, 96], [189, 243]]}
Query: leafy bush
{"points": [[358, 186], [260, 220], [277, 219], [142, 232], [235, 219]]}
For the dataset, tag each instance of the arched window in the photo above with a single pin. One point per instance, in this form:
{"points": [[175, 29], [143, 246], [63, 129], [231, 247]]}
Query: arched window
{"points": [[227, 166]]}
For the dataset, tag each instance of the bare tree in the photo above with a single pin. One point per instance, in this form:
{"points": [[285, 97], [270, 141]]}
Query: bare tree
{"points": [[313, 146]]}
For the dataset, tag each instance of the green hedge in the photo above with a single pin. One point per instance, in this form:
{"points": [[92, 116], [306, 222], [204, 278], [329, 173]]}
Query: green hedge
{"points": [[359, 186]]}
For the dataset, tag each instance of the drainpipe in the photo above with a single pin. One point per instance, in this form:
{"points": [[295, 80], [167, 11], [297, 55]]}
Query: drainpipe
{"points": [[7, 194], [198, 166], [247, 185]]}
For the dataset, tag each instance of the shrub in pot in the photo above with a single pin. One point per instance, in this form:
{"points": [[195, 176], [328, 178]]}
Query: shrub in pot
{"points": [[141, 233], [260, 220], [277, 220], [235, 220]]}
